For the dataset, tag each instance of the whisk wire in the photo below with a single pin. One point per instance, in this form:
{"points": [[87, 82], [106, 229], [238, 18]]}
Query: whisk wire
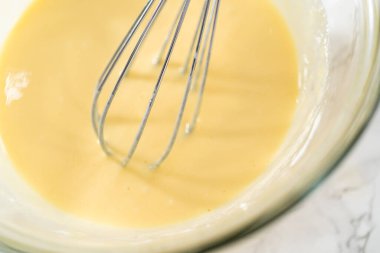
{"points": [[186, 94], [160, 54], [186, 64], [158, 84], [112, 63], [123, 74], [209, 35], [201, 43], [203, 51]]}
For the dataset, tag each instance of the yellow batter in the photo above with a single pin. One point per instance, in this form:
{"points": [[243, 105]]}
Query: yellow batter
{"points": [[50, 65]]}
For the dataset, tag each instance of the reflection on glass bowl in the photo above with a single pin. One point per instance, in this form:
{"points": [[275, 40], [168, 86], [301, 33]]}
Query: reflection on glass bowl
{"points": [[339, 56]]}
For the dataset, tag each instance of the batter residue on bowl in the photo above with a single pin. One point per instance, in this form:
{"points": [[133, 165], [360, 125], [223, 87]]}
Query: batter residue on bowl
{"points": [[49, 67]]}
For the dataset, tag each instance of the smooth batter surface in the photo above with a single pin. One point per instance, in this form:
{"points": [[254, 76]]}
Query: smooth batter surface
{"points": [[49, 68]]}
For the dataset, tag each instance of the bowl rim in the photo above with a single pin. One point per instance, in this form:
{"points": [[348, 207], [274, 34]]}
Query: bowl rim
{"points": [[374, 107], [254, 226]]}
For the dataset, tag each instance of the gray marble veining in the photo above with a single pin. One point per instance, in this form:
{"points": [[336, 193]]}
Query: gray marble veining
{"points": [[341, 216]]}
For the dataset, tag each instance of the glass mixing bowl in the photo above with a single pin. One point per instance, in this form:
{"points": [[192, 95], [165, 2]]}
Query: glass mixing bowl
{"points": [[339, 73]]}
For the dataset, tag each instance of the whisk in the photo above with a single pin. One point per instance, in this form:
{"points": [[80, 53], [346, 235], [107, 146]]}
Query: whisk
{"points": [[196, 65]]}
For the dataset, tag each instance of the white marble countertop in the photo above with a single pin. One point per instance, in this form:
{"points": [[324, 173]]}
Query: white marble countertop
{"points": [[341, 216]]}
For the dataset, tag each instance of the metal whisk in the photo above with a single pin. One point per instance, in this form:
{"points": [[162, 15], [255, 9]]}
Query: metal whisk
{"points": [[196, 65]]}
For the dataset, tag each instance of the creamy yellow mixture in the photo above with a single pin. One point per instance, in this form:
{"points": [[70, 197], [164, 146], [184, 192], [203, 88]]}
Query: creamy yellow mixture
{"points": [[49, 67]]}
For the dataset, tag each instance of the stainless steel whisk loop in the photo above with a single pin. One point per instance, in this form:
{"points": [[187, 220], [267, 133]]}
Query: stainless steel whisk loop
{"points": [[199, 56]]}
